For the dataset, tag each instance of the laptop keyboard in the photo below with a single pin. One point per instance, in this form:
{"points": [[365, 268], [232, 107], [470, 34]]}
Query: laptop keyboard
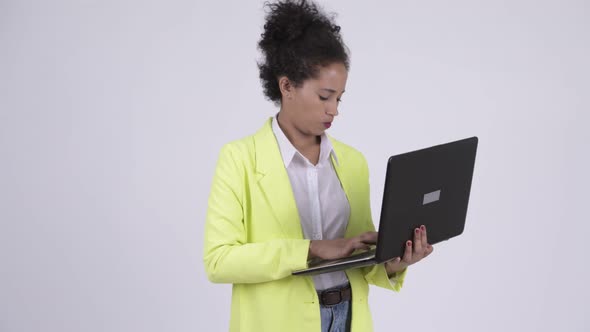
{"points": [[366, 254]]}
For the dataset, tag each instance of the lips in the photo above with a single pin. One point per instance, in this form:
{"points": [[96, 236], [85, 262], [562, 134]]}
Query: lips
{"points": [[327, 124]]}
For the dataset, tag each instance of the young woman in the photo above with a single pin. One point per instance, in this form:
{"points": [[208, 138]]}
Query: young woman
{"points": [[290, 192]]}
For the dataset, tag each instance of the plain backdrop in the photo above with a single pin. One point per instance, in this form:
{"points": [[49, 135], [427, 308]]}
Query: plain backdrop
{"points": [[112, 114]]}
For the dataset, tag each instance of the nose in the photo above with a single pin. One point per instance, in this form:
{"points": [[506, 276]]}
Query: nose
{"points": [[332, 109]]}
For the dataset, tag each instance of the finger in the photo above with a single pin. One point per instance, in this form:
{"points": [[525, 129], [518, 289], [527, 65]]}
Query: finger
{"points": [[393, 264], [429, 250], [418, 249], [369, 237], [393, 260], [408, 253], [360, 245], [424, 236]]}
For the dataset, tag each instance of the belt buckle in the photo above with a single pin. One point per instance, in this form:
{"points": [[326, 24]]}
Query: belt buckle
{"points": [[335, 291]]}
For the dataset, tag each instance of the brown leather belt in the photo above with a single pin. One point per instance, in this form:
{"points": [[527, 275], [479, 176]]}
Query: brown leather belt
{"points": [[334, 296]]}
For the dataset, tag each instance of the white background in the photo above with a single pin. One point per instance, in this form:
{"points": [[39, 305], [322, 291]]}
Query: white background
{"points": [[112, 114]]}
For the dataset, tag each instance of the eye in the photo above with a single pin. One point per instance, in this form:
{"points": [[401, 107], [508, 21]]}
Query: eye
{"points": [[323, 98], [339, 100]]}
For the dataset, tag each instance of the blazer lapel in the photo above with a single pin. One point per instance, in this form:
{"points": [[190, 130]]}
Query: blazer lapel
{"points": [[274, 182], [347, 178]]}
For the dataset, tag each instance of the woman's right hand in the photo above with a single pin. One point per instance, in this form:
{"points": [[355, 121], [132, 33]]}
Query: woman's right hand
{"points": [[340, 248]]}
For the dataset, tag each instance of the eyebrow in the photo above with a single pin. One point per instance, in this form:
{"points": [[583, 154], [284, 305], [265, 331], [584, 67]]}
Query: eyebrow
{"points": [[331, 90]]}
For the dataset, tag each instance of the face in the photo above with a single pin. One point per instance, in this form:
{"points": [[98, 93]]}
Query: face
{"points": [[314, 105]]}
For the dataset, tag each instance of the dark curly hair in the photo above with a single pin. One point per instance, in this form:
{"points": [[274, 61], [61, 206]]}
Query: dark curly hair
{"points": [[298, 39]]}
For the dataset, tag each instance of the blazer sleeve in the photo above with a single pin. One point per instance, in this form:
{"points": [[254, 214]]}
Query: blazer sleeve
{"points": [[227, 255], [376, 274]]}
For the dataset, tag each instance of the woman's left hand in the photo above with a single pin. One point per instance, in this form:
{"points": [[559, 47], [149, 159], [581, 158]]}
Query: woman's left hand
{"points": [[415, 251]]}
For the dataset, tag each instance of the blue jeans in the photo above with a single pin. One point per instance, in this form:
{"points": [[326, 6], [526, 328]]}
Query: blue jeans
{"points": [[336, 318]]}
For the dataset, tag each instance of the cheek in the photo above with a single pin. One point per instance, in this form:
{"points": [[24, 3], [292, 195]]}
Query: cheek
{"points": [[310, 106], [313, 104]]}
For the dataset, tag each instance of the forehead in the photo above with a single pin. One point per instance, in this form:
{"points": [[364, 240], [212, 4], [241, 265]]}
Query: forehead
{"points": [[332, 76]]}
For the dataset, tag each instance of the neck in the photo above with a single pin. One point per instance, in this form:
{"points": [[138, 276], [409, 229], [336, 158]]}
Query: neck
{"points": [[300, 140]]}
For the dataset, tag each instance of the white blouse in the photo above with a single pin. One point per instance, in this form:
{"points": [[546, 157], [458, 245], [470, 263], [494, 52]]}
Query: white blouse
{"points": [[322, 204]]}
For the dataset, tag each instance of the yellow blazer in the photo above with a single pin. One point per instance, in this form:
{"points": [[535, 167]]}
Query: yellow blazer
{"points": [[254, 240]]}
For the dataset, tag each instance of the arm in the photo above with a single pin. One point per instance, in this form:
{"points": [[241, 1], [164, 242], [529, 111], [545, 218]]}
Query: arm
{"points": [[228, 256], [377, 274]]}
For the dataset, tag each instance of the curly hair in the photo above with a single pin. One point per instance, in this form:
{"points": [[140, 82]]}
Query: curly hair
{"points": [[298, 39]]}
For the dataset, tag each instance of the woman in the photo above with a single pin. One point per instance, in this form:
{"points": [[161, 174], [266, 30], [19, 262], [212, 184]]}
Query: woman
{"points": [[290, 193]]}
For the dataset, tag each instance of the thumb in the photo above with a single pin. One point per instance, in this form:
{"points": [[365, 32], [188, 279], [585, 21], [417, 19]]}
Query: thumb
{"points": [[394, 260]]}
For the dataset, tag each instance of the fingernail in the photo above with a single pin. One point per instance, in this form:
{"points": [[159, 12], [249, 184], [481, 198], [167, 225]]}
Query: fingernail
{"points": [[422, 227], [409, 243], [417, 230]]}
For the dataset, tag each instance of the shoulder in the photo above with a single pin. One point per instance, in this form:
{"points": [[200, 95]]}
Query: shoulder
{"points": [[346, 153], [243, 151], [241, 145], [239, 151]]}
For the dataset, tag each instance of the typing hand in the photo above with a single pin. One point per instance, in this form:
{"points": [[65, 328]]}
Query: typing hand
{"points": [[340, 248]]}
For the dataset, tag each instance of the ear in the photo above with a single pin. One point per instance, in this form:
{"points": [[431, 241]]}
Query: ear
{"points": [[287, 88]]}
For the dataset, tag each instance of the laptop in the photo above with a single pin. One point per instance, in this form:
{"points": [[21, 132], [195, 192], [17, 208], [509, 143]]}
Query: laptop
{"points": [[428, 187]]}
